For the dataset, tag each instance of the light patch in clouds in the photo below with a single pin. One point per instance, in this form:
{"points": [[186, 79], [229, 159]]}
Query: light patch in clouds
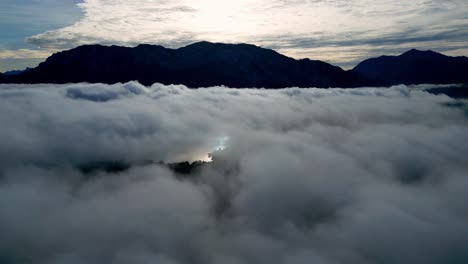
{"points": [[359, 176], [351, 30]]}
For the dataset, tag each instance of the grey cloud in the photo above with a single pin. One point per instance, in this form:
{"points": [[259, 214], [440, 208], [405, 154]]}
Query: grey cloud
{"points": [[361, 45], [366, 175]]}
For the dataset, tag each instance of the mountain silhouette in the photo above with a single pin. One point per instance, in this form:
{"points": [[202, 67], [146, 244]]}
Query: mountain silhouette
{"points": [[197, 65], [416, 67]]}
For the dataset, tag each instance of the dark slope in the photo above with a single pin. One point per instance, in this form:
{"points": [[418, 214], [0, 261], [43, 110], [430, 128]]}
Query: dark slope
{"points": [[197, 65], [416, 67]]}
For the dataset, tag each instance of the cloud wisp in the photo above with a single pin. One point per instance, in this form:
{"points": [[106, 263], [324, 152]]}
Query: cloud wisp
{"points": [[306, 175]]}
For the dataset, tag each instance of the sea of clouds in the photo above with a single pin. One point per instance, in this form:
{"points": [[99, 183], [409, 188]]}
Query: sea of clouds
{"points": [[332, 176]]}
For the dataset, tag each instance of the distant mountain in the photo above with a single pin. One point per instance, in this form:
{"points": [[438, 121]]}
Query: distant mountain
{"points": [[416, 67], [197, 65], [16, 72]]}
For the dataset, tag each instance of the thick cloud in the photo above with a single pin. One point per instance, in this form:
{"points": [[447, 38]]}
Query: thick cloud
{"points": [[331, 176]]}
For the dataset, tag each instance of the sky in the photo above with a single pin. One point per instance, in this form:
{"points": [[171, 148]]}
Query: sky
{"points": [[340, 32]]}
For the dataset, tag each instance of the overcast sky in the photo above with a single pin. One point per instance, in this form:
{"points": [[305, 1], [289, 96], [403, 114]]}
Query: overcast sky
{"points": [[337, 31]]}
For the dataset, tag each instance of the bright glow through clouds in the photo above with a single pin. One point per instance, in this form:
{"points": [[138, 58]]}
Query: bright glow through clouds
{"points": [[339, 31]]}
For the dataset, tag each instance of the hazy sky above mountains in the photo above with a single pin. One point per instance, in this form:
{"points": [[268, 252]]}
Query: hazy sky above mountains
{"points": [[340, 32]]}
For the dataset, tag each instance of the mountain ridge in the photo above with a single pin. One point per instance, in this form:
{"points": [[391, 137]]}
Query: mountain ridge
{"points": [[199, 64], [241, 65]]}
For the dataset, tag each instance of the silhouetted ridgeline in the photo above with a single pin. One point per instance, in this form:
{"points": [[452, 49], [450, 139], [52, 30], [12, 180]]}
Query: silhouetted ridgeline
{"points": [[206, 64], [198, 65], [416, 67]]}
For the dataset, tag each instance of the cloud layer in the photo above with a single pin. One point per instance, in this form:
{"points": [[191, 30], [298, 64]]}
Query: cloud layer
{"points": [[308, 175], [341, 32]]}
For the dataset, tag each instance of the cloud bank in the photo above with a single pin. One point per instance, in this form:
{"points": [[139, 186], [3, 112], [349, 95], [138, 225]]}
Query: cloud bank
{"points": [[307, 176]]}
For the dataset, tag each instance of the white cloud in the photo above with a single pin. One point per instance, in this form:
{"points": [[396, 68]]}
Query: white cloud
{"points": [[301, 28], [363, 176], [25, 54]]}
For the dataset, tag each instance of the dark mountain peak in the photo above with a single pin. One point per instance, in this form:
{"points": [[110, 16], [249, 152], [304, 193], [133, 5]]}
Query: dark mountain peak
{"points": [[226, 49], [239, 48], [144, 45], [416, 67], [207, 44], [414, 53], [89, 47], [149, 46]]}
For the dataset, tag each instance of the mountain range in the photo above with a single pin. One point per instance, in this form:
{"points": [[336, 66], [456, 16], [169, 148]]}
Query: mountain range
{"points": [[205, 64], [198, 65]]}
